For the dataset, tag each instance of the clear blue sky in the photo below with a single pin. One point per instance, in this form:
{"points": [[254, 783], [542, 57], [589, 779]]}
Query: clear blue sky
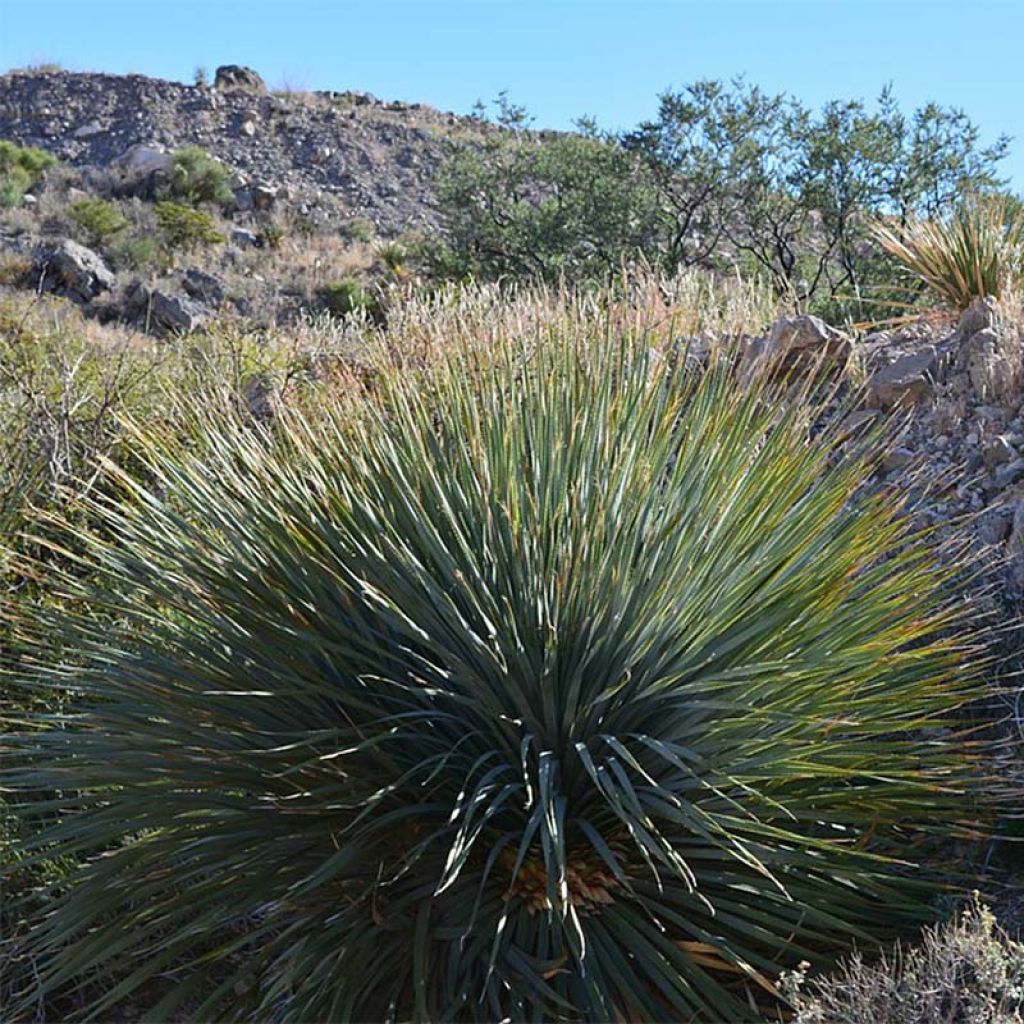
{"points": [[560, 58]]}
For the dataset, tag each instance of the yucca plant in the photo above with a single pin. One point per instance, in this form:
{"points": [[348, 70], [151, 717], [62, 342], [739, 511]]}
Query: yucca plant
{"points": [[561, 682], [973, 253]]}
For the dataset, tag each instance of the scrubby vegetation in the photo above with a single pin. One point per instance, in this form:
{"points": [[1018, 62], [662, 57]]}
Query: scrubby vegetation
{"points": [[969, 970], [20, 168], [724, 176], [99, 219], [195, 178], [184, 228], [501, 622], [346, 296], [975, 251]]}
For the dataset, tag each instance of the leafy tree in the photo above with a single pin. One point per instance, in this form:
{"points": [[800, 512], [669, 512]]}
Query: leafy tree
{"points": [[794, 191], [526, 205], [700, 141], [724, 174]]}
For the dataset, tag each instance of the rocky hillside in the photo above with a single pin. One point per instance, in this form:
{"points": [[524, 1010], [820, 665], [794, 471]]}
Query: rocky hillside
{"points": [[376, 160]]}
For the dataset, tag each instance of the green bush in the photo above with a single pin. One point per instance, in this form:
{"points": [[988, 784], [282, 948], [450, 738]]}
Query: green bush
{"points": [[195, 177], [968, 971], [347, 296], [99, 219], [556, 682], [138, 252], [358, 230], [185, 228], [20, 168], [273, 235]]}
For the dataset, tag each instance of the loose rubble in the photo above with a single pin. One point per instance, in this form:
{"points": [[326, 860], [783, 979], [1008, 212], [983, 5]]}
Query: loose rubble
{"points": [[959, 387], [376, 160]]}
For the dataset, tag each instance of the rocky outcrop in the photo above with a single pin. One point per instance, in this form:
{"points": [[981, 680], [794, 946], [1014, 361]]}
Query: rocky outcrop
{"points": [[807, 336], [797, 344], [71, 270], [203, 287], [988, 352], [331, 155], [907, 380], [234, 76], [961, 389]]}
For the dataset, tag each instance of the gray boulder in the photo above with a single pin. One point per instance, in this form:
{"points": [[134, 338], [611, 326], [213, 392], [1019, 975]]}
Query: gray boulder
{"points": [[906, 381], [203, 287], [73, 270], [808, 335], [176, 314], [989, 351], [245, 238], [997, 451], [235, 76], [993, 362], [162, 312], [803, 340], [264, 195], [141, 161], [981, 313]]}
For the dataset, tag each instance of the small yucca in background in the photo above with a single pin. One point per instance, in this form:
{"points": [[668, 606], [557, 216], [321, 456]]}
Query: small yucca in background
{"points": [[975, 252], [556, 683]]}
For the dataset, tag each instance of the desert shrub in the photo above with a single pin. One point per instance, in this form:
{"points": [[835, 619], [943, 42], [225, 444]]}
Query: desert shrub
{"points": [[13, 186], [347, 295], [555, 681], [195, 177], [138, 252], [977, 251], [99, 219], [358, 230], [185, 228], [20, 168], [15, 269], [273, 234], [967, 971]]}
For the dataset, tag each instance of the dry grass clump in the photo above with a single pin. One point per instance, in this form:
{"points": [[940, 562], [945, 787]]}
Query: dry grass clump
{"points": [[965, 972]]}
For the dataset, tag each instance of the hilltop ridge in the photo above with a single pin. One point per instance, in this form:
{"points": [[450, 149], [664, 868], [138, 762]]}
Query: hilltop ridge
{"points": [[374, 159]]}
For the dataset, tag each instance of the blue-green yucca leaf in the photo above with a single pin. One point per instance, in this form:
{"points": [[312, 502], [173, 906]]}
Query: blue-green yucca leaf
{"points": [[560, 684]]}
